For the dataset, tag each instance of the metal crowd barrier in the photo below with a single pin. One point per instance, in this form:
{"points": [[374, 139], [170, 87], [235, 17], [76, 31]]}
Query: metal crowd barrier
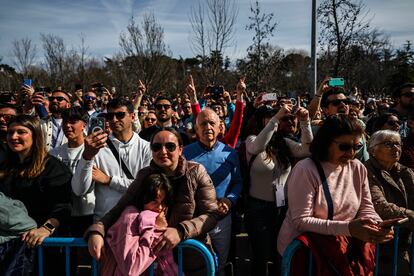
{"points": [[80, 242], [295, 245]]}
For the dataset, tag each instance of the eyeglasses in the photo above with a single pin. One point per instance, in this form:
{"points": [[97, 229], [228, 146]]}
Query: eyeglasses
{"points": [[7, 117], [89, 98], [408, 94], [150, 119], [169, 146], [391, 144], [393, 123], [119, 115], [162, 106], [347, 147], [58, 98], [140, 113], [187, 107], [338, 102]]}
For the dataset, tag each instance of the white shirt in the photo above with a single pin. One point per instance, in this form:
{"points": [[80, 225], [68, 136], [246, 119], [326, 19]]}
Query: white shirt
{"points": [[136, 154]]}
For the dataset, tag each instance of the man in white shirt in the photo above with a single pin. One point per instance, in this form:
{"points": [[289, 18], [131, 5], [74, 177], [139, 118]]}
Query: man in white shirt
{"points": [[74, 124], [99, 164], [52, 126]]}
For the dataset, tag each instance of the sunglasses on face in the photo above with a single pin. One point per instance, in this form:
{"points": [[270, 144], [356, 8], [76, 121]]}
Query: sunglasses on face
{"points": [[58, 98], [150, 119], [408, 94], [162, 106], [347, 147], [391, 144], [119, 115], [393, 123], [89, 98], [338, 102], [287, 118], [7, 117], [169, 146]]}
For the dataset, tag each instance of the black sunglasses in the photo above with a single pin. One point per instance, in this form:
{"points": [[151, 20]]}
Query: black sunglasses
{"points": [[59, 99], [347, 147], [161, 106], [87, 98], [393, 123], [119, 115], [150, 119], [7, 117], [288, 118], [338, 102], [170, 146], [408, 94]]}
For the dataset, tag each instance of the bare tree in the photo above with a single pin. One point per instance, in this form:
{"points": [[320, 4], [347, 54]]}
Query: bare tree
{"points": [[212, 36], [263, 26], [24, 54], [342, 24], [55, 53], [146, 54]]}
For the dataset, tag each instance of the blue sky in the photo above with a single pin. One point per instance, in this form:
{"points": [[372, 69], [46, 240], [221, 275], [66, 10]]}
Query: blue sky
{"points": [[102, 21]]}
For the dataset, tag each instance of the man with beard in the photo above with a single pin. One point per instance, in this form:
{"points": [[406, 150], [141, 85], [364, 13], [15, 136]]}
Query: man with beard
{"points": [[89, 104], [52, 126], [404, 96], [333, 101], [111, 161], [164, 112]]}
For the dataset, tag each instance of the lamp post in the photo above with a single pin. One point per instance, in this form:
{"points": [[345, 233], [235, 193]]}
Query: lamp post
{"points": [[313, 69]]}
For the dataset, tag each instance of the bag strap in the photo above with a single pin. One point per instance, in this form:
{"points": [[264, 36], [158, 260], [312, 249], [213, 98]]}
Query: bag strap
{"points": [[116, 154], [325, 188]]}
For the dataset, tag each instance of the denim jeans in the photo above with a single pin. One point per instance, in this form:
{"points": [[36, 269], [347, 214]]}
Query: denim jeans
{"points": [[263, 221]]}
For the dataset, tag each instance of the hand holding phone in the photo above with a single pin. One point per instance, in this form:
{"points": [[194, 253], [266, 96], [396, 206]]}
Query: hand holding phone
{"points": [[96, 124], [393, 222]]}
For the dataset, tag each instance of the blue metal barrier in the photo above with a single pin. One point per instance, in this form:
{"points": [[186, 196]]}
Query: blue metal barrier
{"points": [[80, 242], [295, 245]]}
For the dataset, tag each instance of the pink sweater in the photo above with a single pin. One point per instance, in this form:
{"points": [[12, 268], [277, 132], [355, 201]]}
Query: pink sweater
{"points": [[130, 246], [308, 211]]}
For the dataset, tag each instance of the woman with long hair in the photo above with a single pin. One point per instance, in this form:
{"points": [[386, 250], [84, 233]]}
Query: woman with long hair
{"points": [[270, 155]]}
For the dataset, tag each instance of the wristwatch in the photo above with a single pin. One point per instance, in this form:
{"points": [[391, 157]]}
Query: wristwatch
{"points": [[49, 227]]}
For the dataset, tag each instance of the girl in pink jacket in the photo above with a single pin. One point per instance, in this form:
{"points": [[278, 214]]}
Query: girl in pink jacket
{"points": [[129, 241]]}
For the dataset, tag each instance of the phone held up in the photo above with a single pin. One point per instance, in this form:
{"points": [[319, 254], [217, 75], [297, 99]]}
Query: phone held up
{"points": [[336, 82], [269, 97], [27, 82], [96, 124]]}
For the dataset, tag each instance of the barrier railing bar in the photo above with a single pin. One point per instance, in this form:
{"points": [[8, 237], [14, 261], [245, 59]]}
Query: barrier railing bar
{"points": [[377, 251], [80, 242], [395, 250]]}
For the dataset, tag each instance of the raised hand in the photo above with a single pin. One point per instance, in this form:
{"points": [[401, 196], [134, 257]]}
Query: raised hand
{"points": [[93, 143], [141, 88], [284, 110], [190, 89], [303, 114]]}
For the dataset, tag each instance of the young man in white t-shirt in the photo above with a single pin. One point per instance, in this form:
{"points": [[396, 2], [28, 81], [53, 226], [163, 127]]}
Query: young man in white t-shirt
{"points": [[73, 125]]}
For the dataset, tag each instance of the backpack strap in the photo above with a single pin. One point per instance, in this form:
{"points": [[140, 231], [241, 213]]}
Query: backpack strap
{"points": [[116, 154], [325, 188]]}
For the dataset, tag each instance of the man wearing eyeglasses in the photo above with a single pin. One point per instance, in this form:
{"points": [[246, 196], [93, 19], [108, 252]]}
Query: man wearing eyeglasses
{"points": [[89, 104], [334, 101], [52, 125], [222, 164], [111, 162], [404, 96]]}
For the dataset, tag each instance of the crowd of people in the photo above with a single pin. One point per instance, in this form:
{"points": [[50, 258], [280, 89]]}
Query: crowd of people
{"points": [[137, 174]]}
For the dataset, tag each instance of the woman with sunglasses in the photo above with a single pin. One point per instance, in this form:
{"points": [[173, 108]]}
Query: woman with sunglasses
{"points": [[150, 125], [330, 204], [392, 191], [385, 121], [194, 209], [270, 156], [37, 179]]}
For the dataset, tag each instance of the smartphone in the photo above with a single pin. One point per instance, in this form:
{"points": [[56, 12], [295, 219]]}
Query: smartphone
{"points": [[393, 222], [336, 82], [269, 97], [27, 82], [216, 91], [96, 124]]}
